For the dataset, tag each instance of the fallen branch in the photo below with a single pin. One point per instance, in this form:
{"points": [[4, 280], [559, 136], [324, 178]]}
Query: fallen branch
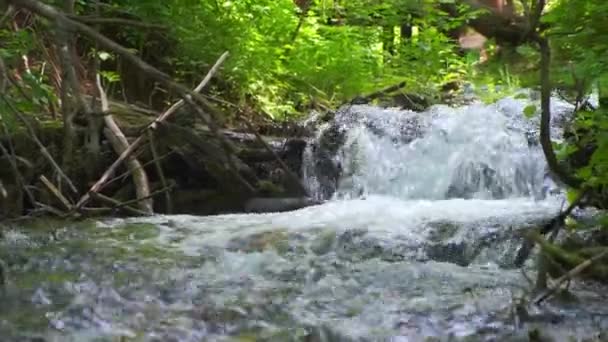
{"points": [[53, 189], [294, 178], [49, 209], [124, 155], [551, 226], [3, 76], [137, 200], [126, 173], [120, 144], [3, 192], [115, 21], [229, 151], [568, 276], [160, 172], [12, 159], [3, 274], [377, 94], [115, 203]]}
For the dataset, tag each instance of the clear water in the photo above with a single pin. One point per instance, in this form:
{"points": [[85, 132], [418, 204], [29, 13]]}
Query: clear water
{"points": [[390, 258]]}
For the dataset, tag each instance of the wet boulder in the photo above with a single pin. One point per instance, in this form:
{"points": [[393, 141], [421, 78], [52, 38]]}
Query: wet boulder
{"points": [[281, 204]]}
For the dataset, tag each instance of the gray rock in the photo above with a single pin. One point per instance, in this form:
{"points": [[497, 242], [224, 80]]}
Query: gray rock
{"points": [[270, 205]]}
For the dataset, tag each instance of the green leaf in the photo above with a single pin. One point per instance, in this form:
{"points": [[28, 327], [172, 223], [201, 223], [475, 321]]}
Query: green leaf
{"points": [[572, 195], [530, 111], [104, 56]]}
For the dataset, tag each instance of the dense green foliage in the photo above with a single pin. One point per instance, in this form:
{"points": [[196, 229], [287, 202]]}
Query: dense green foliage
{"points": [[579, 37], [287, 58]]}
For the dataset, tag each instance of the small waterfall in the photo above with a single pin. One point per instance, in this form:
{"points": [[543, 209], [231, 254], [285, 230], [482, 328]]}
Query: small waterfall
{"points": [[475, 151]]}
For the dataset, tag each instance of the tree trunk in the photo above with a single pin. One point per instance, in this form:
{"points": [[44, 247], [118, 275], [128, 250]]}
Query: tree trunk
{"points": [[545, 121]]}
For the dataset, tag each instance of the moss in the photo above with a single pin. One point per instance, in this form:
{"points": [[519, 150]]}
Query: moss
{"points": [[151, 251], [26, 318], [442, 231], [32, 280], [567, 260], [49, 224], [268, 188], [323, 243], [276, 239], [133, 231]]}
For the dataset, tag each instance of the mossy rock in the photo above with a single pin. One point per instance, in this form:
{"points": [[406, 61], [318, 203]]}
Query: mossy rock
{"points": [[268, 188], [442, 230], [323, 242]]}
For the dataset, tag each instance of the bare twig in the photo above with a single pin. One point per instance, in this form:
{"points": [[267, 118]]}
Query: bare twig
{"points": [[120, 144], [200, 104], [3, 192], [53, 189], [137, 200], [19, 179], [128, 172], [110, 171], [48, 209], [3, 274], [568, 276], [115, 21], [7, 15], [161, 173], [51, 13], [116, 203], [224, 143], [551, 226], [3, 76], [41, 146], [294, 178], [379, 93], [69, 81]]}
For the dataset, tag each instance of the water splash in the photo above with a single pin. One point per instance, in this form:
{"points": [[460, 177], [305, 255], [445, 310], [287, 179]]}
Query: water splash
{"points": [[476, 151]]}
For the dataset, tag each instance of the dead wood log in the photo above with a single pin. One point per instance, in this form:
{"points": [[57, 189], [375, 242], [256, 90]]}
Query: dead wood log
{"points": [[215, 160], [551, 226], [118, 204], [292, 176], [120, 144], [53, 189], [570, 275]]}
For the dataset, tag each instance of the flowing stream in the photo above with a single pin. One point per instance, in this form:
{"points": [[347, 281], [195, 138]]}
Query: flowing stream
{"points": [[416, 242]]}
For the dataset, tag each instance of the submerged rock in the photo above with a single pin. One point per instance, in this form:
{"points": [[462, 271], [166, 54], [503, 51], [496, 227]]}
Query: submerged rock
{"points": [[270, 205]]}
